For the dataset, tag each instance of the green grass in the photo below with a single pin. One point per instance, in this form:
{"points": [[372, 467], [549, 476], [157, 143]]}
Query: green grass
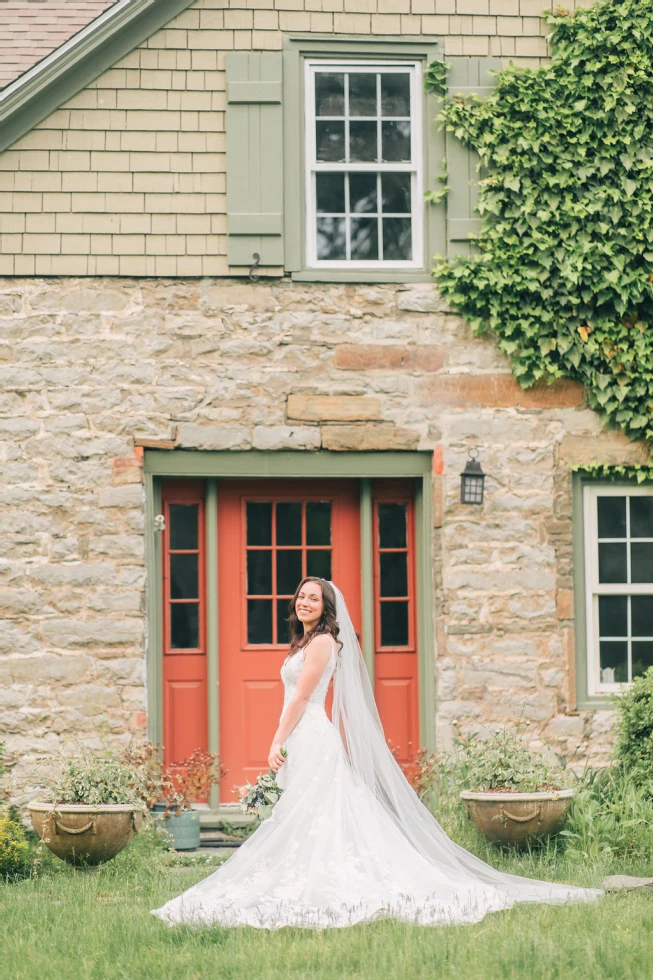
{"points": [[96, 924]]}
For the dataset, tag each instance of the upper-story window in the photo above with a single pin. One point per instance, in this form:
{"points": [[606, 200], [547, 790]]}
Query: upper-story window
{"points": [[619, 584], [364, 189]]}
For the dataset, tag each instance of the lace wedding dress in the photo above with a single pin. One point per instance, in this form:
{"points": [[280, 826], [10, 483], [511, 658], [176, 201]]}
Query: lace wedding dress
{"points": [[337, 851]]}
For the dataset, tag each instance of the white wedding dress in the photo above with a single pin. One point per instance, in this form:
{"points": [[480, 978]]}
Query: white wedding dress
{"points": [[331, 855]]}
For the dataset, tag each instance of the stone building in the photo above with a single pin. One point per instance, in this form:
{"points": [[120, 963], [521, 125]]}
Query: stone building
{"points": [[224, 363]]}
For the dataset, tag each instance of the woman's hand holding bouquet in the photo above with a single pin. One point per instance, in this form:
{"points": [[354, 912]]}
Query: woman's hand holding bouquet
{"points": [[260, 797]]}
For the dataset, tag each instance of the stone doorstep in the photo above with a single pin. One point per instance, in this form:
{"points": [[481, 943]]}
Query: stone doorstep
{"points": [[217, 841], [212, 820], [617, 883]]}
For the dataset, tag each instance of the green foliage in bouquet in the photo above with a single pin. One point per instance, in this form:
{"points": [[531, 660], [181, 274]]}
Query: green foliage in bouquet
{"points": [[634, 750], [563, 276], [504, 762], [265, 792]]}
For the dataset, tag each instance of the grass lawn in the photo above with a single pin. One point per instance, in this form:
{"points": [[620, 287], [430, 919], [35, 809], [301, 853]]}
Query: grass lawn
{"points": [[96, 924]]}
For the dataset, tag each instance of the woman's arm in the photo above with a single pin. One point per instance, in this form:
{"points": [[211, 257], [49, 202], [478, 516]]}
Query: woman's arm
{"points": [[316, 657]]}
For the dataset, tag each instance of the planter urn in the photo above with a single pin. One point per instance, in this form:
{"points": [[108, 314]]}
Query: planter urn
{"points": [[182, 827], [85, 835], [517, 819]]}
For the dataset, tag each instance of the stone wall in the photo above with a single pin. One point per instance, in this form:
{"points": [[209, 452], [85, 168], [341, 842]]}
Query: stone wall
{"points": [[128, 177], [89, 366]]}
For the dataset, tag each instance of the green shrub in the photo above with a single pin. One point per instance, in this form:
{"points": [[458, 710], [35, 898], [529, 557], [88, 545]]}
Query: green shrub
{"points": [[14, 847], [611, 815], [634, 748], [504, 761], [96, 781]]}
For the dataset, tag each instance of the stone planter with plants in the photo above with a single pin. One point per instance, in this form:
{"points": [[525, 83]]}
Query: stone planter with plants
{"points": [[171, 792], [94, 809], [516, 796]]}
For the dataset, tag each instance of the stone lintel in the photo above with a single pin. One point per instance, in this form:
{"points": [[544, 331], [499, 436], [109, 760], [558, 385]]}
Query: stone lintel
{"points": [[368, 437]]}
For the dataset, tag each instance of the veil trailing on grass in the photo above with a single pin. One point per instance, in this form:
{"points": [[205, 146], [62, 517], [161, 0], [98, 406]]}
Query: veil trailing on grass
{"points": [[356, 717]]}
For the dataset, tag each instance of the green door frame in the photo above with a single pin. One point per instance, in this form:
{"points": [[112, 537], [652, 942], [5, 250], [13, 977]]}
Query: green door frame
{"points": [[287, 465]]}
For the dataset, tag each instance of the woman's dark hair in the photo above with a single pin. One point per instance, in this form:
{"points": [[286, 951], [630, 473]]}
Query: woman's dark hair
{"points": [[327, 622]]}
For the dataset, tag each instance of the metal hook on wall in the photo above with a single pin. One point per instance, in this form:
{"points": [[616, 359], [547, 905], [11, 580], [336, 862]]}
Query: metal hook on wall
{"points": [[252, 275]]}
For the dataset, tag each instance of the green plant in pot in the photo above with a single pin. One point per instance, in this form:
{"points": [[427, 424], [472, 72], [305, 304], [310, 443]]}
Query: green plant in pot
{"points": [[515, 795], [170, 792], [93, 811]]}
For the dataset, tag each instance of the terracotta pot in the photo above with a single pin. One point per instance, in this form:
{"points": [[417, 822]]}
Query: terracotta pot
{"points": [[83, 834], [517, 819]]}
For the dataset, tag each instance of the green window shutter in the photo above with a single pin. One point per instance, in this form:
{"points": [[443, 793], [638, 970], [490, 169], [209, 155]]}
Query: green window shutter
{"points": [[466, 75], [254, 158]]}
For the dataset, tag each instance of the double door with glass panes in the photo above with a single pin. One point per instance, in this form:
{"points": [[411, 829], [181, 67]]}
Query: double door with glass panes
{"points": [[270, 535]]}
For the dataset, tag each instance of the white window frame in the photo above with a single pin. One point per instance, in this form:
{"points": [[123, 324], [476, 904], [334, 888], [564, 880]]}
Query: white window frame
{"points": [[592, 587], [415, 167]]}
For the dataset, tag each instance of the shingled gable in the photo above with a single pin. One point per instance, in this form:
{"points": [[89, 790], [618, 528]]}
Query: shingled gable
{"points": [[64, 72], [30, 30]]}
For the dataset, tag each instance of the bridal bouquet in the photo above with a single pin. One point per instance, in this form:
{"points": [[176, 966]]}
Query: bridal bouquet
{"points": [[260, 797]]}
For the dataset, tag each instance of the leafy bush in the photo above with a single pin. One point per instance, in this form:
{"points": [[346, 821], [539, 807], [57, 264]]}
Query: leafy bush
{"points": [[179, 786], [14, 846], [611, 815], [634, 748], [136, 776], [97, 781], [564, 270], [150, 780], [504, 762]]}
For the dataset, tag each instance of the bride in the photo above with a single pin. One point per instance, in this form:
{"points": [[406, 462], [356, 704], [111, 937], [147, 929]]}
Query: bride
{"points": [[349, 840]]}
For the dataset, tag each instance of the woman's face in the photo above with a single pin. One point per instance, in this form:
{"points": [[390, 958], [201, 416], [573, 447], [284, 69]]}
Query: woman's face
{"points": [[309, 604]]}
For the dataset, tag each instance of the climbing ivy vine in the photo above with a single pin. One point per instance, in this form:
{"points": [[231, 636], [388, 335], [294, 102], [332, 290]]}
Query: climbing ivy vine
{"points": [[563, 275], [640, 472]]}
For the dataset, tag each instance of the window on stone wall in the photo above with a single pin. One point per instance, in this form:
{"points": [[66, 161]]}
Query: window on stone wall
{"points": [[619, 584], [364, 194]]}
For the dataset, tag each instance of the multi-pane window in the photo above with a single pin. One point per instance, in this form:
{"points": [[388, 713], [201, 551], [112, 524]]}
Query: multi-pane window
{"points": [[393, 574], [183, 576], [285, 541], [619, 574], [364, 180]]}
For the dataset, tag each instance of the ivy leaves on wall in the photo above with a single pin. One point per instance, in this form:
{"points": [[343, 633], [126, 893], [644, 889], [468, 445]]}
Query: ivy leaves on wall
{"points": [[563, 275]]}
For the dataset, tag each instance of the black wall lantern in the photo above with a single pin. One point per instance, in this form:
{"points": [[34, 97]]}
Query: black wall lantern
{"points": [[472, 479]]}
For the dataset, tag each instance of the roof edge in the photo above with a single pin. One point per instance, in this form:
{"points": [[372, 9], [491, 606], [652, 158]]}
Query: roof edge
{"points": [[63, 73]]}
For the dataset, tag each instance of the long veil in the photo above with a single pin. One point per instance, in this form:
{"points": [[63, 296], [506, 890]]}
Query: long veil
{"points": [[356, 717]]}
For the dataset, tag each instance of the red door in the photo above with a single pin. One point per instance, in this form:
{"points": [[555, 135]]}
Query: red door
{"points": [[395, 633], [185, 707], [271, 534]]}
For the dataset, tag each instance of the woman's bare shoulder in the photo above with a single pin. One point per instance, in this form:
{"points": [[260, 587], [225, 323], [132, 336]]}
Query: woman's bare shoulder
{"points": [[320, 644]]}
